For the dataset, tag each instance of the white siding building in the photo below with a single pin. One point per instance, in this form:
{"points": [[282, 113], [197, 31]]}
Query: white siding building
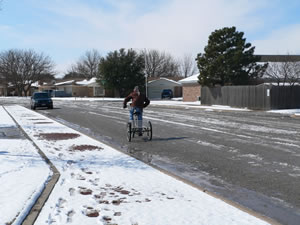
{"points": [[155, 87]]}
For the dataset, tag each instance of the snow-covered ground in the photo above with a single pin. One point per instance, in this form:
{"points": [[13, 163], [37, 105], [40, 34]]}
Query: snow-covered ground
{"points": [[295, 112], [172, 102], [180, 103], [23, 174], [99, 185]]}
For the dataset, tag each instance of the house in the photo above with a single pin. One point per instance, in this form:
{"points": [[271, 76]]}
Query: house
{"points": [[67, 86], [77, 88], [155, 87], [42, 86], [191, 88], [94, 88]]}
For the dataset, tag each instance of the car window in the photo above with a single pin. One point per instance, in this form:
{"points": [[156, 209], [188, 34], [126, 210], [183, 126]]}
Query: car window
{"points": [[41, 95]]}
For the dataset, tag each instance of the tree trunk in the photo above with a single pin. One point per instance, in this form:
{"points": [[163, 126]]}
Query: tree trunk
{"points": [[19, 90]]}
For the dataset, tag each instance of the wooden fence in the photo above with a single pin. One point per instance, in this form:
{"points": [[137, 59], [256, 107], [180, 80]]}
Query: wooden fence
{"points": [[260, 97]]}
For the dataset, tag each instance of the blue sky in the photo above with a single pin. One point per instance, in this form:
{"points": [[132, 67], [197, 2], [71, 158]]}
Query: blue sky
{"points": [[65, 29]]}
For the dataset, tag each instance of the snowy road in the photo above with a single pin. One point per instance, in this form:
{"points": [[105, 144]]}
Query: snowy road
{"points": [[252, 158]]}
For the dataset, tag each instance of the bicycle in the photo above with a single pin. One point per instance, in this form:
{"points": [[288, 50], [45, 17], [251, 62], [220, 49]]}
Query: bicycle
{"points": [[133, 128]]}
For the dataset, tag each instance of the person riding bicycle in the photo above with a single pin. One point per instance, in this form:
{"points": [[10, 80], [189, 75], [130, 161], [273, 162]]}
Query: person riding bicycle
{"points": [[139, 101]]}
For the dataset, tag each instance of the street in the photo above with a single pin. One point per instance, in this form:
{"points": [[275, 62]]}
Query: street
{"points": [[251, 158]]}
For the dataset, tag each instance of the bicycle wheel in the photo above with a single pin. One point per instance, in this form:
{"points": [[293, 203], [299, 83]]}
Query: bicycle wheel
{"points": [[149, 131], [129, 132]]}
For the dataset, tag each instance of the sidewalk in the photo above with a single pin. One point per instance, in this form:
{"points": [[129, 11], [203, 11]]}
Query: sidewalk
{"points": [[23, 173], [100, 185]]}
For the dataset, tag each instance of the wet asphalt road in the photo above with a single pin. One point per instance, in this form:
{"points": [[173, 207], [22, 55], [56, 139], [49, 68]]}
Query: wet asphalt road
{"points": [[252, 158]]}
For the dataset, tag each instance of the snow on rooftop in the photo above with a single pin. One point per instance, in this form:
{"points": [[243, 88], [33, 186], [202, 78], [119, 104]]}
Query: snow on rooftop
{"points": [[86, 82], [65, 82], [190, 79], [35, 84], [163, 78]]}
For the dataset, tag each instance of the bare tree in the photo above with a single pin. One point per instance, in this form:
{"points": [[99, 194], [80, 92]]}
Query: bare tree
{"points": [[188, 65], [88, 64], [22, 68], [293, 72], [275, 71], [160, 64], [284, 71], [10, 62]]}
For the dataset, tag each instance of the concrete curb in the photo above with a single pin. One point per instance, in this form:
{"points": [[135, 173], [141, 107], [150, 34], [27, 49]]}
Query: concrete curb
{"points": [[38, 205]]}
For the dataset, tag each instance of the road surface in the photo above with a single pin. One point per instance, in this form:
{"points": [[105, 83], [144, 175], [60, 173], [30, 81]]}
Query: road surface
{"points": [[251, 158]]}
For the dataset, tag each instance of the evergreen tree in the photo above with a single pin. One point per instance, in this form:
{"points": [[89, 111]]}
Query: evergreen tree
{"points": [[228, 60], [122, 70]]}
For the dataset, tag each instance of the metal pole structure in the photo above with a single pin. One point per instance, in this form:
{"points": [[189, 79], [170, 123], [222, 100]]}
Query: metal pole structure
{"points": [[146, 76]]}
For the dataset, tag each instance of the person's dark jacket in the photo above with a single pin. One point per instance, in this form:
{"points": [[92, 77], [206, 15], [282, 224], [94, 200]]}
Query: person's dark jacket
{"points": [[138, 100]]}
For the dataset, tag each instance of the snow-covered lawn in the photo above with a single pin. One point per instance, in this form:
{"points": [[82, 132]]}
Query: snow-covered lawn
{"points": [[23, 174], [99, 185], [295, 112], [172, 102]]}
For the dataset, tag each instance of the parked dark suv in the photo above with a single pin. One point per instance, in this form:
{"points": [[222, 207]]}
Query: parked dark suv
{"points": [[167, 93], [41, 99]]}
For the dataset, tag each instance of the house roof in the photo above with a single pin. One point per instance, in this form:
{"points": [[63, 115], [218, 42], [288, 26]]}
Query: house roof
{"points": [[190, 80], [162, 78], [87, 82], [35, 84], [65, 83], [279, 58]]}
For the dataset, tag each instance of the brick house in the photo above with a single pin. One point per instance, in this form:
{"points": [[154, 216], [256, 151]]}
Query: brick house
{"points": [[191, 89]]}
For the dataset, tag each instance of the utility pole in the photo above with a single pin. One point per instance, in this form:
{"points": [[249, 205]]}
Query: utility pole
{"points": [[146, 79]]}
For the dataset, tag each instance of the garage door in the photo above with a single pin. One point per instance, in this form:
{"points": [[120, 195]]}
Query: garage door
{"points": [[154, 92]]}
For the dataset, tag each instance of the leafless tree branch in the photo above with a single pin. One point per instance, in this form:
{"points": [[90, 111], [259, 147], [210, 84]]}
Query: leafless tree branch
{"points": [[188, 65], [286, 71], [22, 68], [88, 64], [160, 64]]}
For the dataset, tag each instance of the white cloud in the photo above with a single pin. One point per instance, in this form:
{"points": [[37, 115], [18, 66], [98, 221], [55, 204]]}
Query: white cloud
{"points": [[176, 26], [280, 41], [184, 26]]}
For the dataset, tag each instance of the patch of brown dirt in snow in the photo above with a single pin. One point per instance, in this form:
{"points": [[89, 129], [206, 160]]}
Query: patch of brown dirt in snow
{"points": [[85, 191], [37, 119], [92, 213], [42, 122], [85, 148], [58, 136]]}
